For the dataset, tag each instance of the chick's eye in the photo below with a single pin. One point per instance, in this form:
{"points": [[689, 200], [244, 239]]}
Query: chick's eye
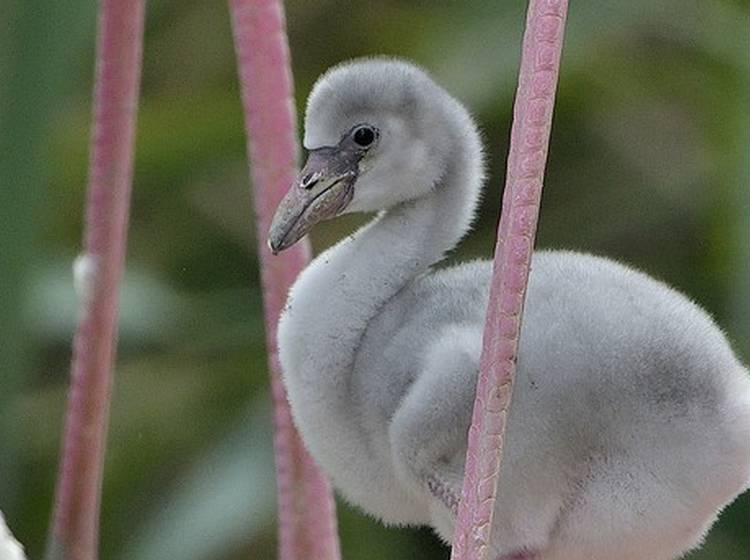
{"points": [[364, 136]]}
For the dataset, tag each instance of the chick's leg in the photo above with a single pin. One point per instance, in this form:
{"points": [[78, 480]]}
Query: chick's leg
{"points": [[429, 430], [428, 436]]}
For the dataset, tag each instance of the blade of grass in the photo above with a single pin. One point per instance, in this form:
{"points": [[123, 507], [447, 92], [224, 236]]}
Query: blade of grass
{"points": [[40, 45], [98, 272], [205, 512], [307, 523], [532, 121]]}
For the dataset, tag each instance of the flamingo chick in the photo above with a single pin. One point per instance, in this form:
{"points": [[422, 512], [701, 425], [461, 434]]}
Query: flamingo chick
{"points": [[629, 428]]}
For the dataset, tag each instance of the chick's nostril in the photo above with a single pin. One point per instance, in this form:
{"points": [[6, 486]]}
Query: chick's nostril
{"points": [[309, 181]]}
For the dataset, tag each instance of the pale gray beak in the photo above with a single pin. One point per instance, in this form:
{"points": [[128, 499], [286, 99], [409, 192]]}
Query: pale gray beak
{"points": [[323, 188]]}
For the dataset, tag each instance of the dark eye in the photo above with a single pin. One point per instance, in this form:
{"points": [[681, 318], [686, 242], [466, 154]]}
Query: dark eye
{"points": [[364, 136]]}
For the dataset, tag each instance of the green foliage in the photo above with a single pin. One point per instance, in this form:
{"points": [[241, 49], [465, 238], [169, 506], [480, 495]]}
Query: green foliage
{"points": [[648, 164]]}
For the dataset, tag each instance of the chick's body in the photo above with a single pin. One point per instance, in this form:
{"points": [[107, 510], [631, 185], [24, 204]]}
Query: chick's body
{"points": [[629, 427], [620, 418]]}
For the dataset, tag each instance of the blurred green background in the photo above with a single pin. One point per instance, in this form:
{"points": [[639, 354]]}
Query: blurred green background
{"points": [[650, 163]]}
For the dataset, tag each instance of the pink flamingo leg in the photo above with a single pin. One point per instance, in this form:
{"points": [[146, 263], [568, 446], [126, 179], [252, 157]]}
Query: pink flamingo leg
{"points": [[118, 63], [532, 119], [307, 522]]}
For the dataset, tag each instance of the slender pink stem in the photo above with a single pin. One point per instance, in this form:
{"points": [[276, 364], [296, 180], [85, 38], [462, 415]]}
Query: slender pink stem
{"points": [[76, 515], [307, 523], [532, 121]]}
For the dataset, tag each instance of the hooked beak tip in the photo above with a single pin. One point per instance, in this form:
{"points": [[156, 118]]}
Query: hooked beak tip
{"points": [[273, 247], [323, 188]]}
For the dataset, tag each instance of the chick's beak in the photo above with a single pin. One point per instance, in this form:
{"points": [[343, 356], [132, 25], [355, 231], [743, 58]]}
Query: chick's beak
{"points": [[323, 188]]}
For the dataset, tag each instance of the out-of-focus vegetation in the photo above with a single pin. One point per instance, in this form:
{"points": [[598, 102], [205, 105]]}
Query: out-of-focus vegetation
{"points": [[649, 164]]}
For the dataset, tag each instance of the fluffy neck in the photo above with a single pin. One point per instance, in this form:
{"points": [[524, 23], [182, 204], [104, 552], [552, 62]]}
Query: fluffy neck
{"points": [[346, 286], [343, 289]]}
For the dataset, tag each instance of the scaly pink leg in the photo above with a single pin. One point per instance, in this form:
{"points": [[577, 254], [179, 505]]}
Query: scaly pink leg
{"points": [[307, 518], [532, 119]]}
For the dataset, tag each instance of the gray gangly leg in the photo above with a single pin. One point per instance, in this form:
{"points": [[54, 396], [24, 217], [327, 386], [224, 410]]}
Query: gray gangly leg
{"points": [[428, 436], [429, 430]]}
